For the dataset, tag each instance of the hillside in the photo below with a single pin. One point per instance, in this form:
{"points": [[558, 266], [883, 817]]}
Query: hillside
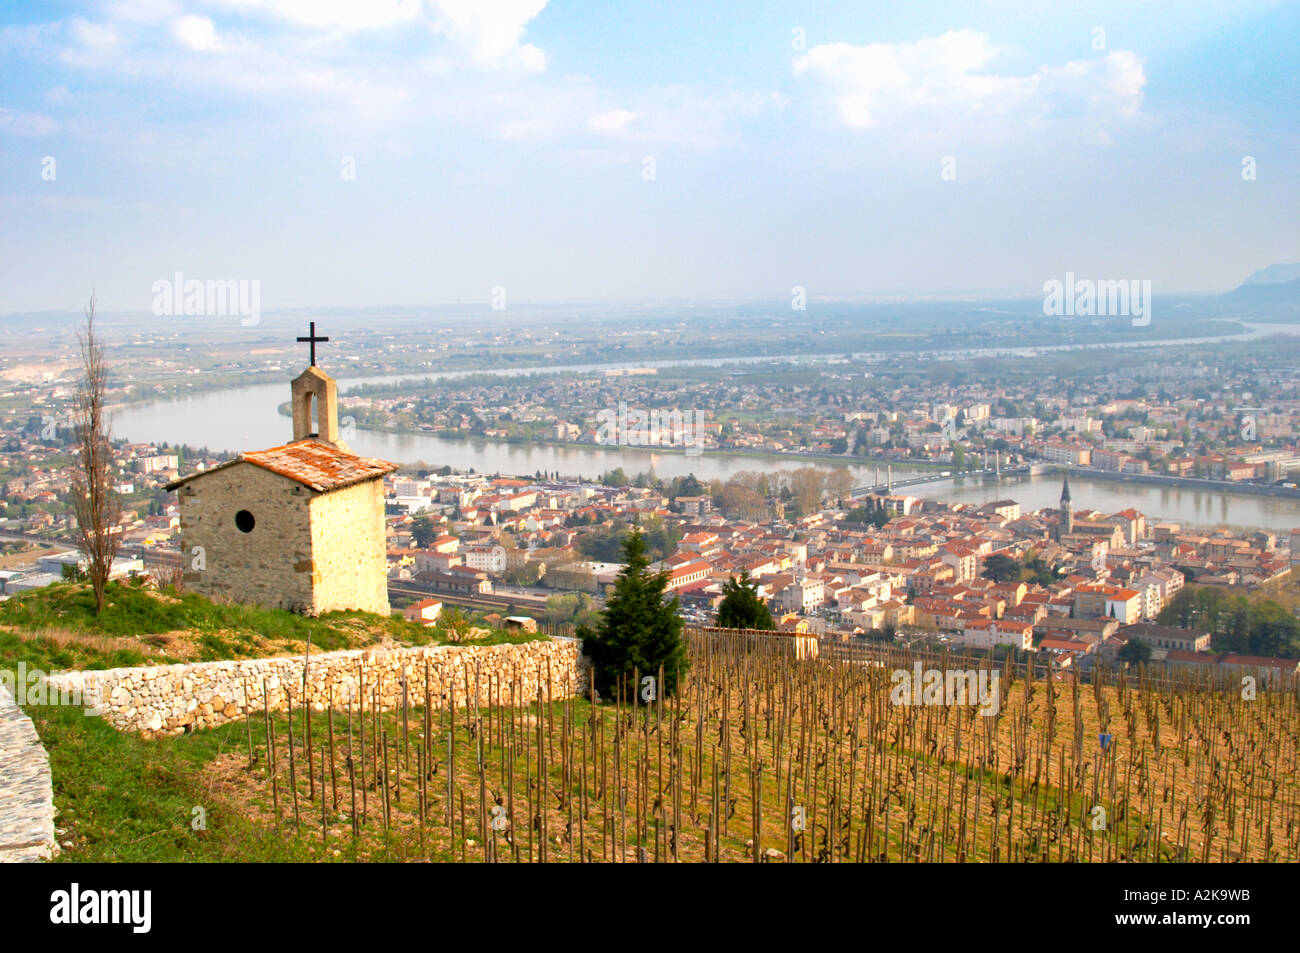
{"points": [[57, 628], [761, 757], [1273, 292]]}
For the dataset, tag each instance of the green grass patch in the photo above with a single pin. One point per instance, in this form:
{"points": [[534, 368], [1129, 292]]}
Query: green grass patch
{"points": [[48, 654], [133, 611], [122, 798], [57, 628]]}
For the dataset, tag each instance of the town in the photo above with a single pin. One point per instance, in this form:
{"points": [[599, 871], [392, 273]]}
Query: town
{"points": [[1070, 583], [1233, 420]]}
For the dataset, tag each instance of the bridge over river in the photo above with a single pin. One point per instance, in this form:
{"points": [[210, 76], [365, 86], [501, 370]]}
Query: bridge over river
{"points": [[990, 473]]}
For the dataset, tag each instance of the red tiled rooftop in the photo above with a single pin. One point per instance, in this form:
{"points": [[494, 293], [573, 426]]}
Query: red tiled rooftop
{"points": [[311, 463], [317, 465]]}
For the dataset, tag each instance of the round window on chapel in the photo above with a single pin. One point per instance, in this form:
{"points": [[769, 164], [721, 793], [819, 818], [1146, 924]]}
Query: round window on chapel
{"points": [[244, 521]]}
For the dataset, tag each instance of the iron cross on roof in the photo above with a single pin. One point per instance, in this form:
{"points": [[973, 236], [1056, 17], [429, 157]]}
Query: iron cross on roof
{"points": [[311, 339]]}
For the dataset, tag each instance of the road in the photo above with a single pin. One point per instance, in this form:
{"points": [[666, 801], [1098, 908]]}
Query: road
{"points": [[34, 538], [524, 601]]}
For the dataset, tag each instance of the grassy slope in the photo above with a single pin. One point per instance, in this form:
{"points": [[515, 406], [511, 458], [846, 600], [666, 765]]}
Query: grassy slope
{"points": [[57, 628], [122, 798]]}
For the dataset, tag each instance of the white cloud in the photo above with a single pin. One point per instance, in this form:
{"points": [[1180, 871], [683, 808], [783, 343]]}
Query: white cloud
{"points": [[195, 33], [26, 124], [487, 32], [492, 29], [144, 11], [610, 123], [948, 78], [462, 62], [91, 43], [93, 36], [1112, 83], [659, 117], [306, 55], [679, 115], [348, 16]]}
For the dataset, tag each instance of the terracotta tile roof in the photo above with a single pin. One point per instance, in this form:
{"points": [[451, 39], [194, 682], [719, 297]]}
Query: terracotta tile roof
{"points": [[313, 464], [317, 465]]}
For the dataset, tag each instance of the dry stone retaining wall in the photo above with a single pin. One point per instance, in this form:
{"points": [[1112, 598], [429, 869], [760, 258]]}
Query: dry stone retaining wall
{"points": [[172, 699], [26, 790]]}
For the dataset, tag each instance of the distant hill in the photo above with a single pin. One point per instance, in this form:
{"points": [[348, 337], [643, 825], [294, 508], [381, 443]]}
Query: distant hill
{"points": [[1274, 275], [1272, 292]]}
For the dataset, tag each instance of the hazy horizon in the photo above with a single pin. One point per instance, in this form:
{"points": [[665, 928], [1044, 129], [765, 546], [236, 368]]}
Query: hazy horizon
{"points": [[529, 309]]}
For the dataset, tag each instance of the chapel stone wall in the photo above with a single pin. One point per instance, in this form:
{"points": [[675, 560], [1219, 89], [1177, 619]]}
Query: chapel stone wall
{"points": [[349, 551], [271, 564]]}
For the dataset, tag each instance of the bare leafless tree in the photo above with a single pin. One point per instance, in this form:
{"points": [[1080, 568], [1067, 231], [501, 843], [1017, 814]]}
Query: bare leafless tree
{"points": [[808, 484], [97, 507], [839, 484]]}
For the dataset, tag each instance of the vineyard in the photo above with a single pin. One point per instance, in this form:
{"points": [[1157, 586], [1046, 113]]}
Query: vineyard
{"points": [[765, 757]]}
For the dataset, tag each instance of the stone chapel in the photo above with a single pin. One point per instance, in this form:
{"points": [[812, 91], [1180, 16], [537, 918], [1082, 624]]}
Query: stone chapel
{"points": [[298, 527]]}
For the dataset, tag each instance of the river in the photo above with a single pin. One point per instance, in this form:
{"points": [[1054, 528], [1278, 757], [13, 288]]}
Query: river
{"points": [[246, 418]]}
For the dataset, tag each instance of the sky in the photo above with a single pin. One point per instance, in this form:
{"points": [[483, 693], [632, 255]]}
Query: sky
{"points": [[429, 152]]}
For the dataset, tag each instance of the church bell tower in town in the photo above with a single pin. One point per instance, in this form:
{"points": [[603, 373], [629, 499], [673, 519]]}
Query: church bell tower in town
{"points": [[1067, 510]]}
